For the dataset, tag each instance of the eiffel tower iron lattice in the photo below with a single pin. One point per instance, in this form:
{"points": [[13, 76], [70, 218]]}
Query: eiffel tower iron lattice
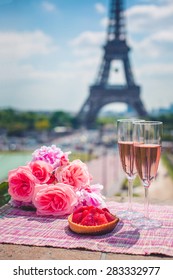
{"points": [[102, 92]]}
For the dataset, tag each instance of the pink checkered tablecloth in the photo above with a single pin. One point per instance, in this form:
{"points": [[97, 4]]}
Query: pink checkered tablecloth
{"points": [[19, 226]]}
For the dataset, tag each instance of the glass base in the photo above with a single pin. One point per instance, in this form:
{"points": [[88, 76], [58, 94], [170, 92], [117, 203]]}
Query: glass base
{"points": [[129, 215], [145, 223]]}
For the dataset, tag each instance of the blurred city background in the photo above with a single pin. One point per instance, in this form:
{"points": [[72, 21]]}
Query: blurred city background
{"points": [[50, 55]]}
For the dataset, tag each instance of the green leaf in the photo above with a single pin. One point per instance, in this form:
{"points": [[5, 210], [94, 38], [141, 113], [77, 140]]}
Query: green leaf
{"points": [[4, 199], [3, 188]]}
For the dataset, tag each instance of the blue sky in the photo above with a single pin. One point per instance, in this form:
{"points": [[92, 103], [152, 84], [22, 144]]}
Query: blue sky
{"points": [[51, 50]]}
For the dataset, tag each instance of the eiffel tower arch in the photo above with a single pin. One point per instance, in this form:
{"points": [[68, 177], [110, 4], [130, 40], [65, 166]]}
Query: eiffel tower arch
{"points": [[102, 92]]}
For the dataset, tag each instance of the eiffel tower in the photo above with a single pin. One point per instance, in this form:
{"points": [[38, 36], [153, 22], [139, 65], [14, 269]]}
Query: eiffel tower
{"points": [[102, 92]]}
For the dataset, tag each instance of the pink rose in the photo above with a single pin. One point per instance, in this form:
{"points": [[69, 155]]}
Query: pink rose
{"points": [[91, 195], [41, 170], [52, 179], [75, 174], [64, 160], [56, 200], [51, 154], [21, 184]]}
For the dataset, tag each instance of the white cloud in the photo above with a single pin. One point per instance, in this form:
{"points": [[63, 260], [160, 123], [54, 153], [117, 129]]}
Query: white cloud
{"points": [[88, 38], [18, 47], [20, 71], [164, 36], [88, 44], [150, 29], [104, 22], [156, 45], [46, 89], [150, 34], [22, 45], [100, 8], [48, 6], [155, 69], [164, 2], [146, 18]]}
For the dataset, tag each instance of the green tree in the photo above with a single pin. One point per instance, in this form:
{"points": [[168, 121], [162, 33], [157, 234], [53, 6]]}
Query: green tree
{"points": [[42, 124], [61, 118]]}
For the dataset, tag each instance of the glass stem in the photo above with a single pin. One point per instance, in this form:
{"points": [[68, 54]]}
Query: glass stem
{"points": [[130, 193], [146, 203]]}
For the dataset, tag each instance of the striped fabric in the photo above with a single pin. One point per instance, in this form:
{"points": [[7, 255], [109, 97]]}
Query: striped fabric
{"points": [[25, 227]]}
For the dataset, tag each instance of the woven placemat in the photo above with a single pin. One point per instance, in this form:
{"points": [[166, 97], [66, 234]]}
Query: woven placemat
{"points": [[19, 226]]}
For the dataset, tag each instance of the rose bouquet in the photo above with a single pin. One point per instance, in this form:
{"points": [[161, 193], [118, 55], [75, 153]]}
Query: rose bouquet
{"points": [[53, 185]]}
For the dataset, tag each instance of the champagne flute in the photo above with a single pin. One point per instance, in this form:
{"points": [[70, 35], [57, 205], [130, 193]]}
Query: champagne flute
{"points": [[126, 152], [147, 149]]}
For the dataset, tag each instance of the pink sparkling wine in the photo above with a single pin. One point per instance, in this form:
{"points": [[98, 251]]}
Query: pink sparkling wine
{"points": [[126, 151], [147, 158]]}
